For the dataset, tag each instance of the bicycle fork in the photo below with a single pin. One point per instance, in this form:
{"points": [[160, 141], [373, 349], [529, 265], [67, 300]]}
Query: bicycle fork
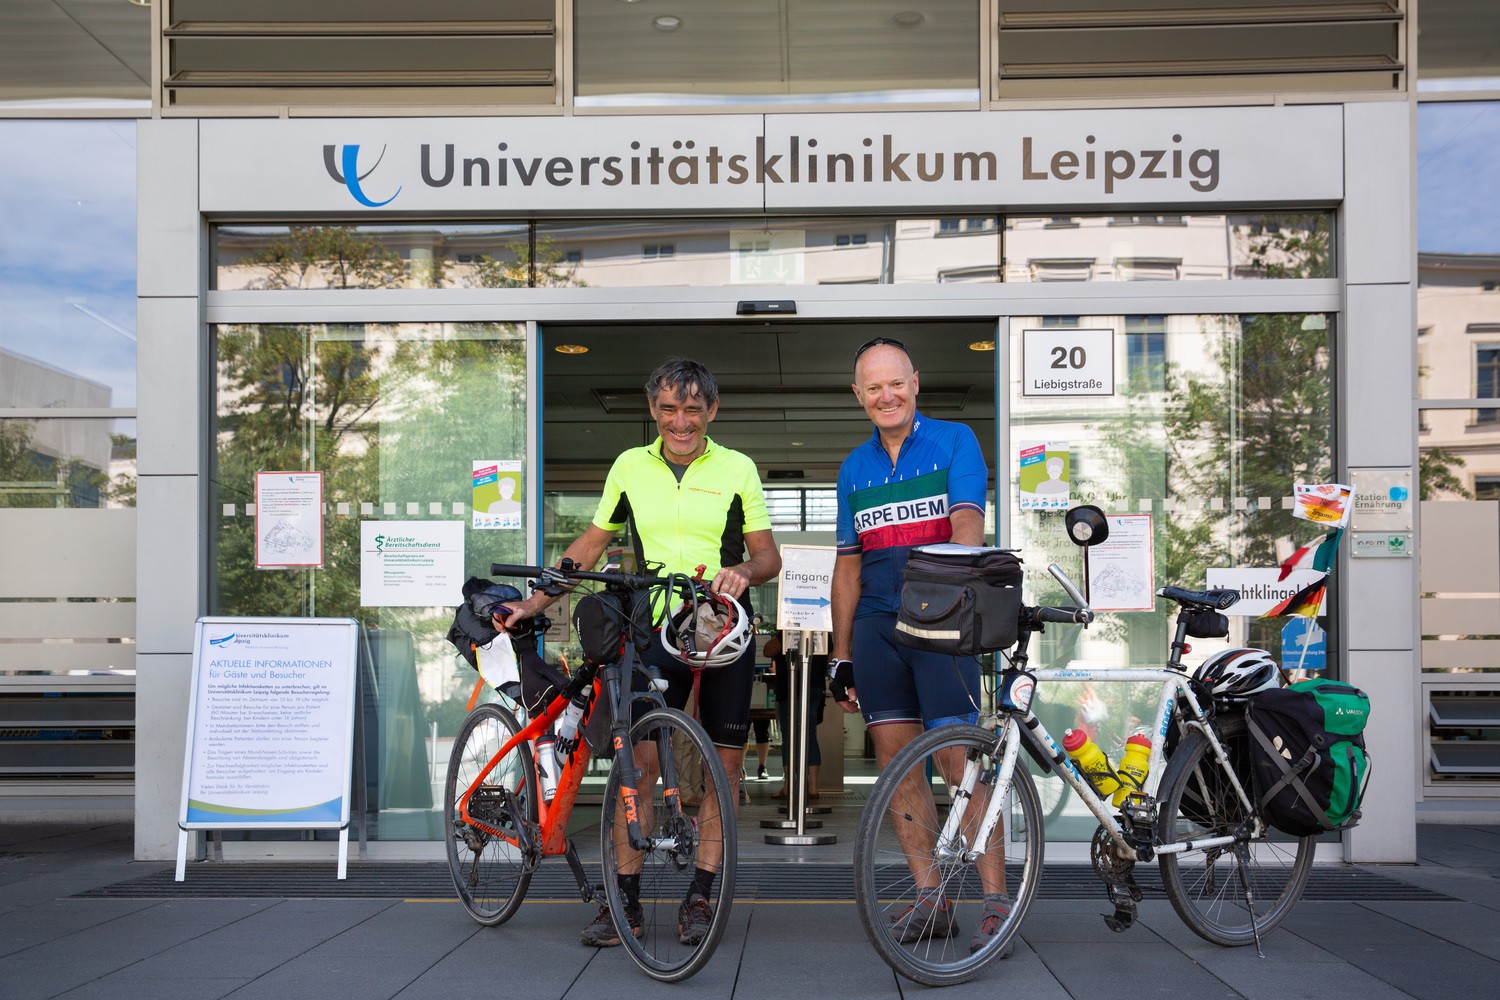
{"points": [[951, 845]]}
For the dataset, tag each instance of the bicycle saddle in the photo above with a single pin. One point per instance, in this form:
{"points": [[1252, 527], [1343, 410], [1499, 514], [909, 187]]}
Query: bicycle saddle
{"points": [[1216, 599]]}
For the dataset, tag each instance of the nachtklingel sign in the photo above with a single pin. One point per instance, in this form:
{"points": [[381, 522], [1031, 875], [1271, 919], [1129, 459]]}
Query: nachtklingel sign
{"points": [[1014, 159]]}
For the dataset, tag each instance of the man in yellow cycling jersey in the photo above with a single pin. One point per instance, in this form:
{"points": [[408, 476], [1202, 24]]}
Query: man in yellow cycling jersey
{"points": [[693, 502]]}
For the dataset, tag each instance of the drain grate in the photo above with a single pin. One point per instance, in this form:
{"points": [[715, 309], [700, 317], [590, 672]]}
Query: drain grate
{"points": [[765, 881]]}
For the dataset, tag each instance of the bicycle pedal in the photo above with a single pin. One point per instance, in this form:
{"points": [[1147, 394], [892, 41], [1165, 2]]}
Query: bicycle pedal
{"points": [[1121, 922]]}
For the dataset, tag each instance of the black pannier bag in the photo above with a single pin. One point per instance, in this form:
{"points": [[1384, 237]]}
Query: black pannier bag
{"points": [[959, 599], [1307, 748], [472, 627]]}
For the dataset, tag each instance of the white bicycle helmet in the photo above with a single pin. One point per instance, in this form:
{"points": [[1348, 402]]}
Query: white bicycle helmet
{"points": [[1239, 672], [708, 632]]}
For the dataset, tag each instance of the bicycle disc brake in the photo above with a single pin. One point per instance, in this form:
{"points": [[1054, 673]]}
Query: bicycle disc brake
{"points": [[1118, 875]]}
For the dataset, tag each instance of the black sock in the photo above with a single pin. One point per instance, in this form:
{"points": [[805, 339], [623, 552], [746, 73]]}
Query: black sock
{"points": [[630, 887], [703, 882]]}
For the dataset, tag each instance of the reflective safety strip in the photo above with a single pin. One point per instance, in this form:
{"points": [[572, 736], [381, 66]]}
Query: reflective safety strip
{"points": [[928, 633]]}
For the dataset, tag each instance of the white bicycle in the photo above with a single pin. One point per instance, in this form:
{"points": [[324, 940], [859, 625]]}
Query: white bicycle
{"points": [[954, 817]]}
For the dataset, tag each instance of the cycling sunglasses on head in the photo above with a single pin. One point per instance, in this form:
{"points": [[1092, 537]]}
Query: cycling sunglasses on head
{"points": [[881, 342]]}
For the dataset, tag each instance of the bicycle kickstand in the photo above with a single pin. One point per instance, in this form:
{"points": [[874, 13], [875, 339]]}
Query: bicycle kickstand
{"points": [[1239, 864], [590, 892]]}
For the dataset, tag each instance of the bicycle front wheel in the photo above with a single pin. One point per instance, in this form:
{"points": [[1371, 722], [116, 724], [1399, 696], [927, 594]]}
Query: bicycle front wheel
{"points": [[927, 892], [487, 866], [686, 811], [1226, 894]]}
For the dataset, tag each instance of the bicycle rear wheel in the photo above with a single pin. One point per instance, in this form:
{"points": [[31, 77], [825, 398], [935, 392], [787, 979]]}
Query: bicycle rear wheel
{"points": [[901, 857], [683, 838], [488, 871], [1208, 887]]}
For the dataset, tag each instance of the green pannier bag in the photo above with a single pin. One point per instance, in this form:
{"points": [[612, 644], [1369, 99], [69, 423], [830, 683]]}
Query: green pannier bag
{"points": [[1308, 755]]}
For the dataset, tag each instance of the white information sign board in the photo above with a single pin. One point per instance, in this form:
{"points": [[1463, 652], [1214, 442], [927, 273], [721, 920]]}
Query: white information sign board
{"points": [[805, 588], [1067, 362], [270, 727], [1121, 568], [411, 564]]}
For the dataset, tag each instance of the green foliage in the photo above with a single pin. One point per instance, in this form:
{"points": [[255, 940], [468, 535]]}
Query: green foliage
{"points": [[1435, 471], [339, 256]]}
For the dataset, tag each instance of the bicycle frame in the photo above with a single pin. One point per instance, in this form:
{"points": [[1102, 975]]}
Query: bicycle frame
{"points": [[552, 818], [1016, 724]]}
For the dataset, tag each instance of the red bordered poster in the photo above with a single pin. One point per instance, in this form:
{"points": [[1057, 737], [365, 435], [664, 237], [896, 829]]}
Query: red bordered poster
{"points": [[288, 519]]}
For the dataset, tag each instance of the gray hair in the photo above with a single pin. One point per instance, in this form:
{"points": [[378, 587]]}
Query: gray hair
{"points": [[687, 377]]}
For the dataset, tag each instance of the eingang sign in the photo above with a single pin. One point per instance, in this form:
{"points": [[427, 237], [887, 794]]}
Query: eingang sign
{"points": [[1087, 158]]}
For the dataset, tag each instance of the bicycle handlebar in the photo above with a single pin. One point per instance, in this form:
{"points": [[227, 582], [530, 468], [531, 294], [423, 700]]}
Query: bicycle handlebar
{"points": [[1064, 616], [543, 576]]}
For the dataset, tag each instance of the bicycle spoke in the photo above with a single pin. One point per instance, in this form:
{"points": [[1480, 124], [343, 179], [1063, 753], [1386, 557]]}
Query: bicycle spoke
{"points": [[488, 870], [690, 829], [920, 879]]}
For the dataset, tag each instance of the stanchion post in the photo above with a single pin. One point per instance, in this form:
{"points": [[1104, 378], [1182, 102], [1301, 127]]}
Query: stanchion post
{"points": [[795, 646]]}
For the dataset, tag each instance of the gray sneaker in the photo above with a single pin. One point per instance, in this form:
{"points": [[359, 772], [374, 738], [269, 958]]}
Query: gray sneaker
{"points": [[996, 909], [694, 917], [601, 932], [931, 916]]}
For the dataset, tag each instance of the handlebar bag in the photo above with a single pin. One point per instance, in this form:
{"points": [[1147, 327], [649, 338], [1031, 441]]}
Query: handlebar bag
{"points": [[961, 600], [1307, 749]]}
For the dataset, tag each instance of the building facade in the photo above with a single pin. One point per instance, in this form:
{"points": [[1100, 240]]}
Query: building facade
{"points": [[394, 251]]}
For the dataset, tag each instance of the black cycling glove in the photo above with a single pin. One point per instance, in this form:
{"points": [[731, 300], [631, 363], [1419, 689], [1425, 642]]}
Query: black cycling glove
{"points": [[840, 679]]}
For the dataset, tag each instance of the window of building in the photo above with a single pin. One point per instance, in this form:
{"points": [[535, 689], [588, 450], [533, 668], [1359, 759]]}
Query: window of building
{"points": [[1146, 352], [1200, 247], [1487, 487], [797, 52], [370, 406], [802, 509], [658, 251], [1487, 381]]}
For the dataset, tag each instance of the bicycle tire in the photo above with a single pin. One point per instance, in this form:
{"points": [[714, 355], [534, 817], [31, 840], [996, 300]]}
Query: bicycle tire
{"points": [[488, 872], [667, 870], [1205, 887], [886, 884]]}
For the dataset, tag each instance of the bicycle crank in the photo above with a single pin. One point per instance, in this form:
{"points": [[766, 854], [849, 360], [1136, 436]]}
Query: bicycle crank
{"points": [[1118, 875]]}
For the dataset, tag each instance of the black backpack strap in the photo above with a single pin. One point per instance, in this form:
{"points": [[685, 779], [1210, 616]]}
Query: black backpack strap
{"points": [[1291, 776]]}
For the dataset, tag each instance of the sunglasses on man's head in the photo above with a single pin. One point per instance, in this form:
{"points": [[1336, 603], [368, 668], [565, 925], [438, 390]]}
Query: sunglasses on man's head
{"points": [[881, 342]]}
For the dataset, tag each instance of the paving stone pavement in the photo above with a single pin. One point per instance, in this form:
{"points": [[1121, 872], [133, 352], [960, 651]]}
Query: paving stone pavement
{"points": [[57, 942]]}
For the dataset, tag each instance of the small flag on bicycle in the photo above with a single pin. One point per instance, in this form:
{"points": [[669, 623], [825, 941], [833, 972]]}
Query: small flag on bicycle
{"points": [[1306, 601], [1324, 547]]}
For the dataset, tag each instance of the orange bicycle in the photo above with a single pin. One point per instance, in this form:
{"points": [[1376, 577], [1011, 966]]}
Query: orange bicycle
{"points": [[500, 826]]}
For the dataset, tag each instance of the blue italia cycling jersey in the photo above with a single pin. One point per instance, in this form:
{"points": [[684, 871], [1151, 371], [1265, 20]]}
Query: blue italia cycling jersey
{"points": [[884, 510]]}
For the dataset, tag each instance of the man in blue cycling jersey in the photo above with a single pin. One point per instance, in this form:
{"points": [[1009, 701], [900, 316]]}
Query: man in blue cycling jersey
{"points": [[692, 502], [916, 481]]}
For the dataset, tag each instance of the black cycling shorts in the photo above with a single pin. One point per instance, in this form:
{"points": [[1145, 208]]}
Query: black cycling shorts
{"points": [[723, 697]]}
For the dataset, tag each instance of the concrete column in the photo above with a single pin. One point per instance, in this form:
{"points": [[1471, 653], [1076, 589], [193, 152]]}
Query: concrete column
{"points": [[170, 373]]}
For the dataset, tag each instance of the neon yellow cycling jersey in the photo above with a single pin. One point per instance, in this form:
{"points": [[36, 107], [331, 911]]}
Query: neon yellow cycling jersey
{"points": [[701, 520]]}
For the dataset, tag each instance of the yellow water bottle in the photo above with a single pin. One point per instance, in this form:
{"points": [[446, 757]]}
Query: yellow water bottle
{"points": [[1091, 761], [1134, 764]]}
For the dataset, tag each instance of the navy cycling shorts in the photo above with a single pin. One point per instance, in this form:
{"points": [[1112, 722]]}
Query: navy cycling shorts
{"points": [[900, 684]]}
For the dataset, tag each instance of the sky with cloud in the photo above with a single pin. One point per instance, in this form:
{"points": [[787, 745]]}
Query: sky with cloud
{"points": [[67, 249], [1458, 177]]}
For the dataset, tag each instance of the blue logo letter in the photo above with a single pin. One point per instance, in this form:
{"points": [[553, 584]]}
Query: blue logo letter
{"points": [[349, 175]]}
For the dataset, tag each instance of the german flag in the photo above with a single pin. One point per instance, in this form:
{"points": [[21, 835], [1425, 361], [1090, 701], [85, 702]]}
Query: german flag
{"points": [[1305, 602]]}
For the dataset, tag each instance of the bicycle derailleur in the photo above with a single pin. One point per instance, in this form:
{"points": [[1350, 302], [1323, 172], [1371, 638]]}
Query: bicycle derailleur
{"points": [[1118, 875]]}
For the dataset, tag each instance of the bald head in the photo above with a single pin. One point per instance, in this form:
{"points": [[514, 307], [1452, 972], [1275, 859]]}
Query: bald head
{"points": [[885, 383]]}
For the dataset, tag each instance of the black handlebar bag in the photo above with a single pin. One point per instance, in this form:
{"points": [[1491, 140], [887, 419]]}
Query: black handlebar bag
{"points": [[959, 599]]}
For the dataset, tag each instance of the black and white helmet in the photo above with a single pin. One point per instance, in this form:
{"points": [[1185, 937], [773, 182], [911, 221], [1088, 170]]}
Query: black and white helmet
{"points": [[711, 630], [1239, 672]]}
